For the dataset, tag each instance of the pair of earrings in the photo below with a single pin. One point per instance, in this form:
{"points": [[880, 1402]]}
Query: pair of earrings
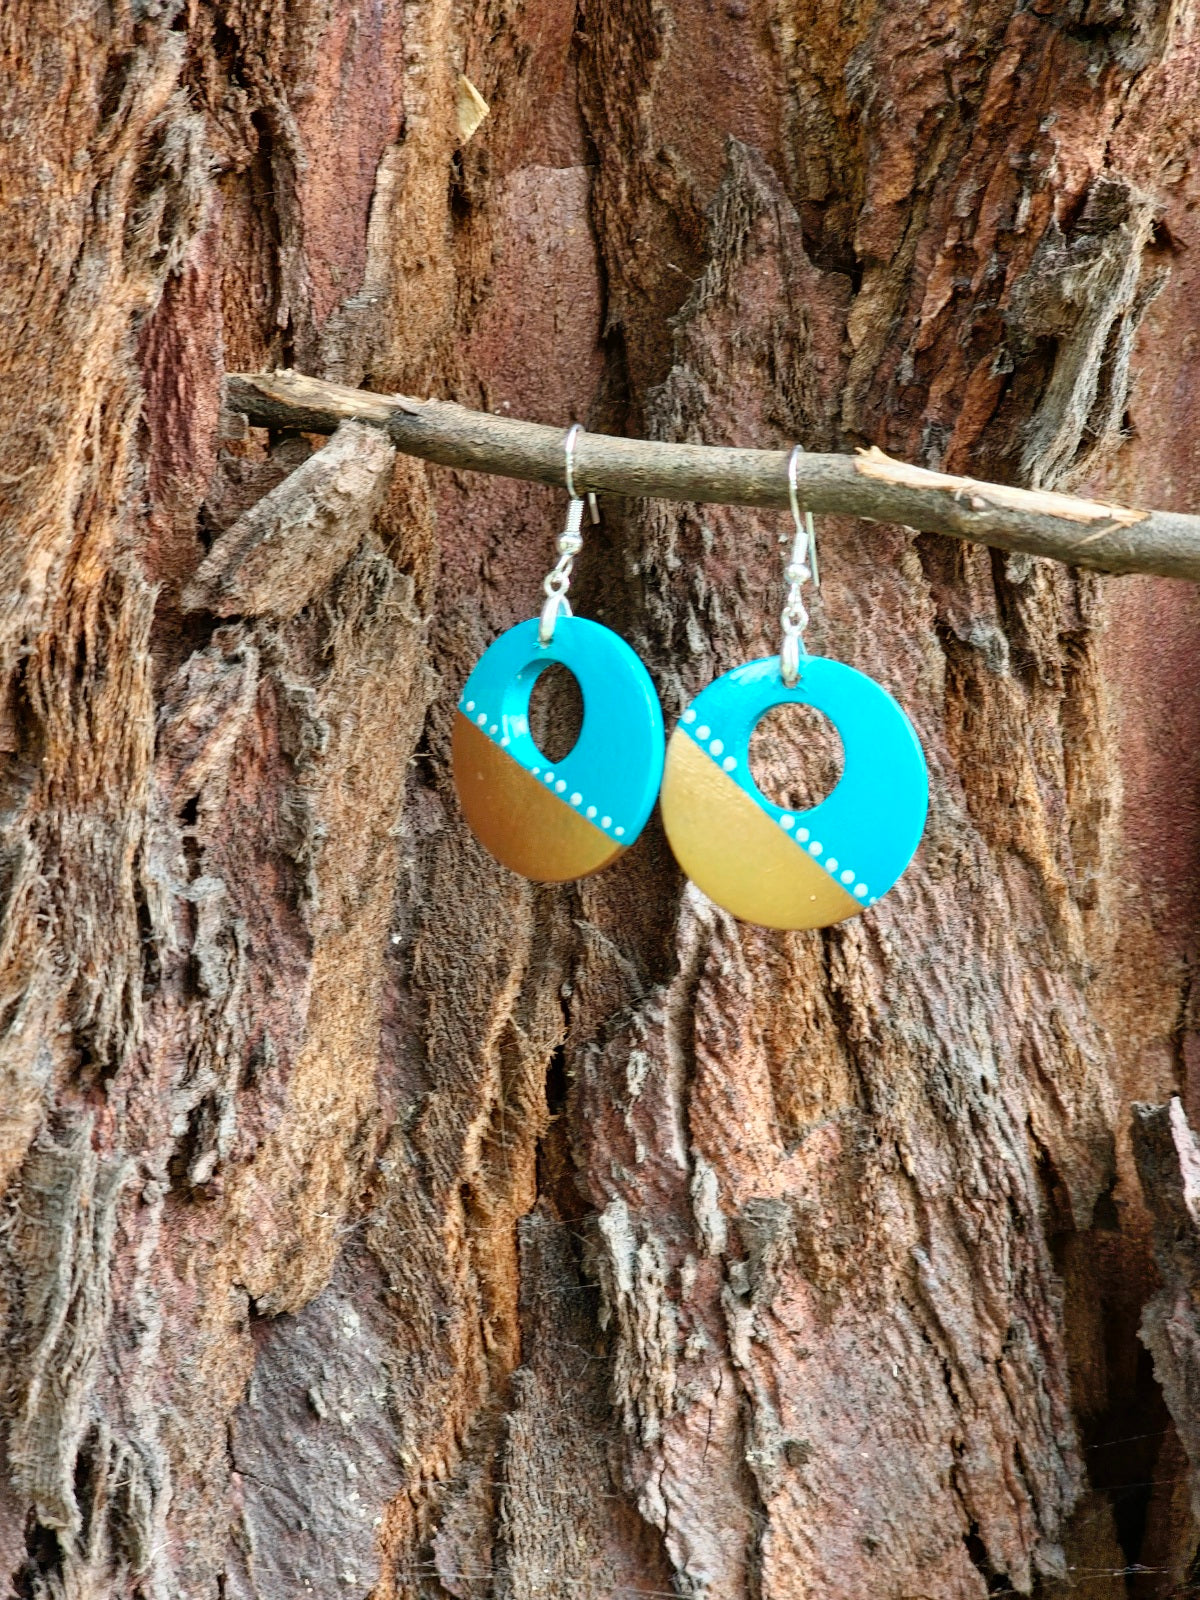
{"points": [[553, 821]]}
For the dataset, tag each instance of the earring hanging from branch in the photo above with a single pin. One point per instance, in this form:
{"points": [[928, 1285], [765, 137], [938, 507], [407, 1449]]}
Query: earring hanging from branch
{"points": [[553, 821], [766, 864], [801, 567]]}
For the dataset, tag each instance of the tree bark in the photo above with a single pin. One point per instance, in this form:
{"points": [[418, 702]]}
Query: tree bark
{"points": [[379, 1223]]}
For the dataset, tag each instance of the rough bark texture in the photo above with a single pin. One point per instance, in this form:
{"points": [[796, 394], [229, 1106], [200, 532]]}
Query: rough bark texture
{"points": [[379, 1223]]}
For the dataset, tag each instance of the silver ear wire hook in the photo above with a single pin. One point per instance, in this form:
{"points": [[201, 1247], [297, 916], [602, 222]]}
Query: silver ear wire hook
{"points": [[570, 543], [569, 453], [569, 472], [802, 565], [809, 532]]}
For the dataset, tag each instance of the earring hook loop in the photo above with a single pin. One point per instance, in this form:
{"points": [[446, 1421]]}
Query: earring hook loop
{"points": [[808, 531], [570, 543], [573, 432], [801, 566]]}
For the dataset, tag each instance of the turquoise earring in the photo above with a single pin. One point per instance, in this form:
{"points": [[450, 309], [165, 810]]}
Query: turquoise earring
{"points": [[556, 820], [794, 869]]}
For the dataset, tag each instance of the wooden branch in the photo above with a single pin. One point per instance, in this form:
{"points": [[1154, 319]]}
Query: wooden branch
{"points": [[871, 485]]}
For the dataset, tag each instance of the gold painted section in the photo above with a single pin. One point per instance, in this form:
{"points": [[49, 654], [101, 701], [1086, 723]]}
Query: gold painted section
{"points": [[731, 849], [517, 819]]}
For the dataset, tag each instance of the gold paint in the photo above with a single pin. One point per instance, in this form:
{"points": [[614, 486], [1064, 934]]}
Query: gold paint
{"points": [[517, 819], [731, 849]]}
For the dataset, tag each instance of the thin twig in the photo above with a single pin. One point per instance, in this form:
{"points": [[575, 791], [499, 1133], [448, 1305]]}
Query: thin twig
{"points": [[1086, 533]]}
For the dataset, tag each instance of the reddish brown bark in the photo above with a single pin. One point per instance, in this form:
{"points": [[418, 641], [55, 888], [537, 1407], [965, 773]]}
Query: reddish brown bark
{"points": [[379, 1223]]}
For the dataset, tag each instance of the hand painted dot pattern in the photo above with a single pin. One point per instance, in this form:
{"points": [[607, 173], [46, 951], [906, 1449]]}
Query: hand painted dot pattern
{"points": [[787, 821], [548, 775], [882, 829], [623, 720]]}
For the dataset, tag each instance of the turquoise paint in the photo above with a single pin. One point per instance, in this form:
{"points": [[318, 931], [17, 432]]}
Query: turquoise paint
{"points": [[872, 820], [615, 767]]}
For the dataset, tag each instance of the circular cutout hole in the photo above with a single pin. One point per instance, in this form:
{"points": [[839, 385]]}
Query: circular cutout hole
{"points": [[556, 711], [796, 756]]}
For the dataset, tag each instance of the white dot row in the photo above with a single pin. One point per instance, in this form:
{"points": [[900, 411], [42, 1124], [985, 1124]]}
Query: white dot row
{"points": [[815, 848], [787, 822], [559, 785], [704, 735], [481, 719]]}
